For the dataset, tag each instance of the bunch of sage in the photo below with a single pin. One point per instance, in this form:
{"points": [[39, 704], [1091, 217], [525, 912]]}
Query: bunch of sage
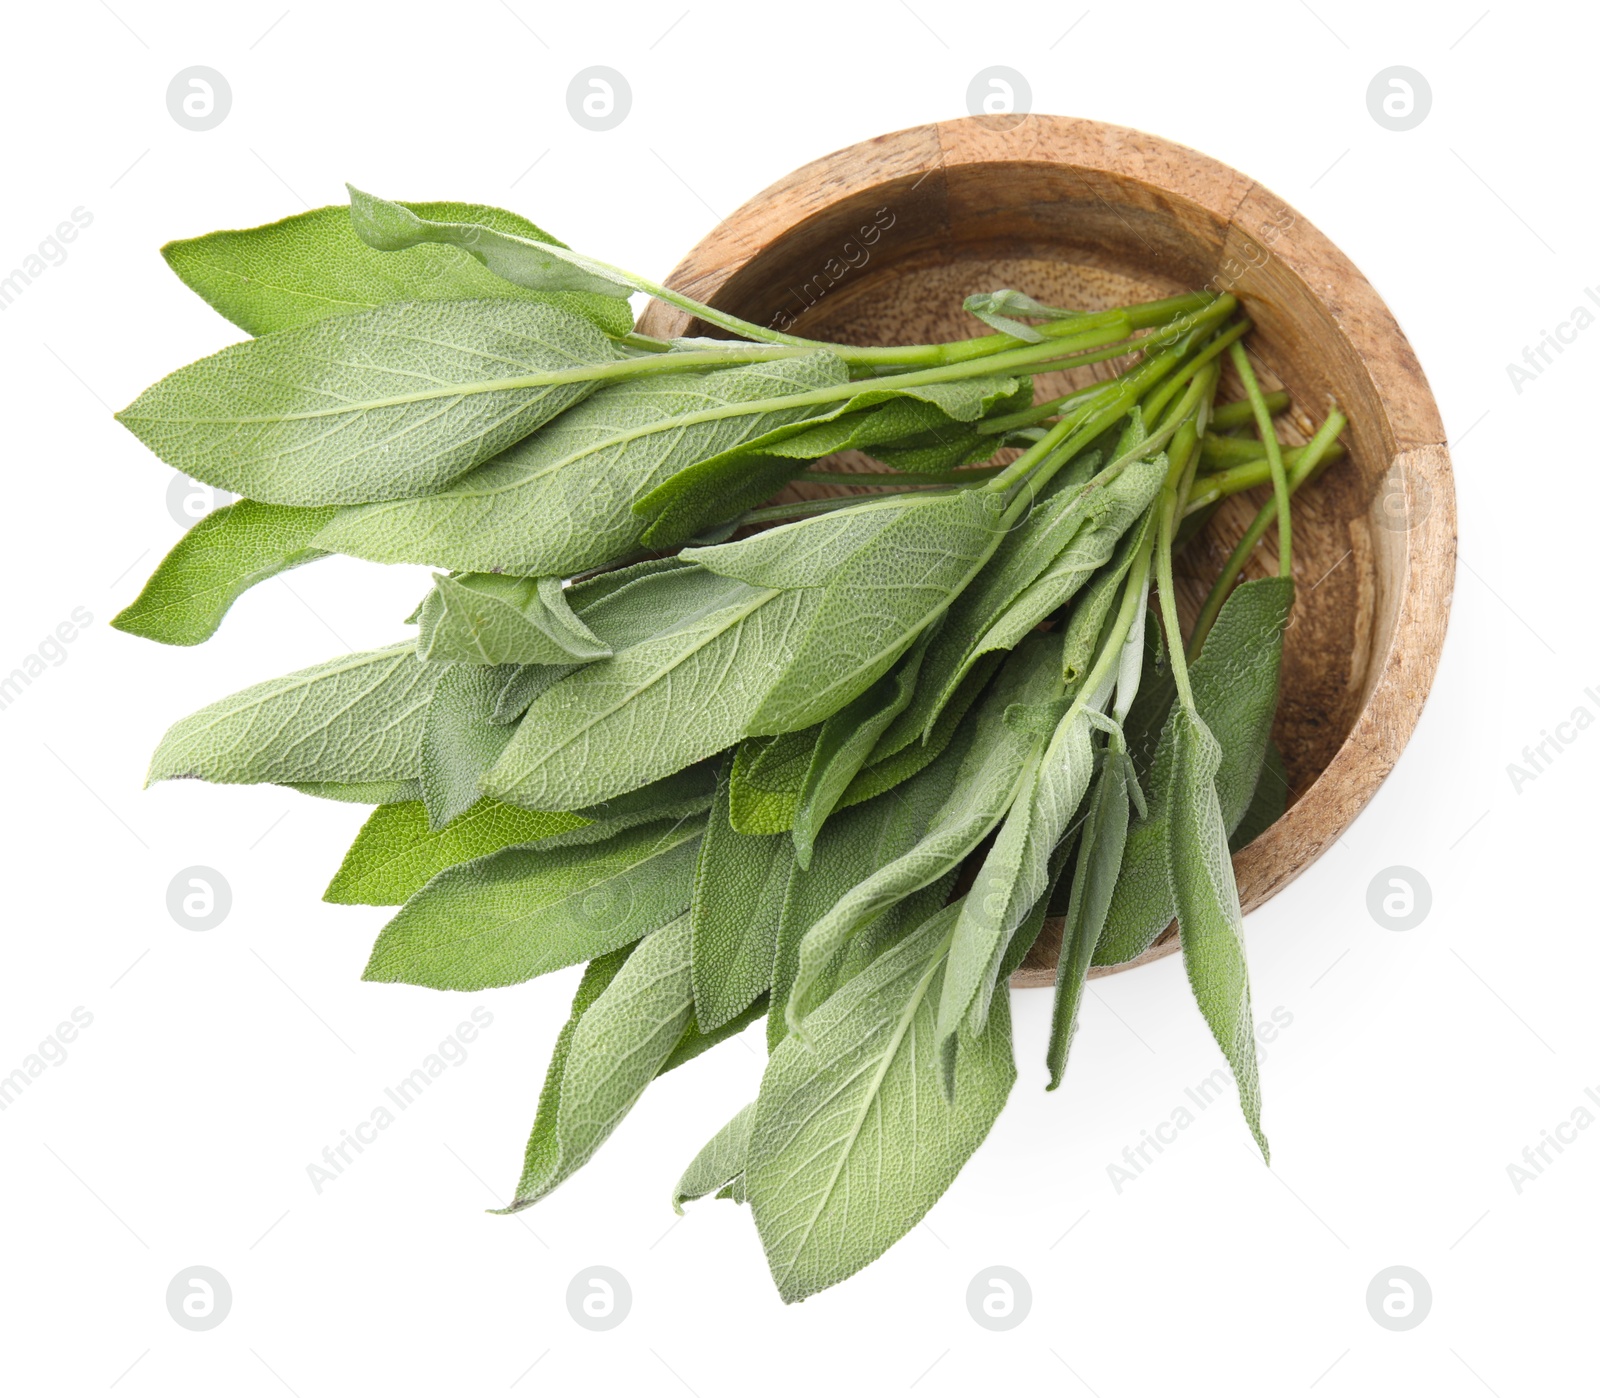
{"points": [[832, 762]]}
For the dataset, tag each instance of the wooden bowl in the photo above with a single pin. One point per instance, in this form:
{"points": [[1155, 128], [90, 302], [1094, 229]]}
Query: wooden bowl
{"points": [[879, 243]]}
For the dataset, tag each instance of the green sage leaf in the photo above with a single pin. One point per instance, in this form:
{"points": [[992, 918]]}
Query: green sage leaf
{"points": [[1012, 880], [768, 776], [312, 266], [618, 1044], [361, 793], [1267, 804], [527, 261], [990, 769], [1210, 924], [1235, 683], [654, 707], [460, 740], [720, 1161], [739, 888], [882, 572], [518, 913], [1099, 861], [491, 619], [562, 500], [852, 1140], [397, 850], [223, 555], [355, 719], [393, 402]]}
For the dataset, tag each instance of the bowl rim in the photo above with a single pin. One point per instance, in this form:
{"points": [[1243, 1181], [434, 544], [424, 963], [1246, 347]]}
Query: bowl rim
{"points": [[1399, 676]]}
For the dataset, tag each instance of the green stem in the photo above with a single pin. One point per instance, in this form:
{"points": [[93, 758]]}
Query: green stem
{"points": [[1269, 439], [1212, 349], [1040, 412], [1304, 469], [1095, 426], [1247, 475], [1241, 412], [1168, 594], [1067, 438], [961, 476], [799, 509], [1136, 316], [1134, 593]]}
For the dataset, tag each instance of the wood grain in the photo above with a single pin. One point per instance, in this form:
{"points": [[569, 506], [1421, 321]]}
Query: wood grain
{"points": [[879, 243]]}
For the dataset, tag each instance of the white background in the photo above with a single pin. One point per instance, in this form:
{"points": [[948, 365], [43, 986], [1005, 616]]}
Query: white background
{"points": [[177, 1132]]}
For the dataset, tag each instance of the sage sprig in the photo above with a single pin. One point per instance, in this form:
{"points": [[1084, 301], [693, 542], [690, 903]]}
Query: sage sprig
{"points": [[738, 755]]}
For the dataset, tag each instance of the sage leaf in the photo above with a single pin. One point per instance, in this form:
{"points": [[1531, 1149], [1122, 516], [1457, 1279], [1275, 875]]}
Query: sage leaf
{"points": [[886, 770], [767, 778], [355, 719], [685, 793], [1054, 519], [1042, 568], [719, 1163], [361, 793], [739, 888], [460, 740], [844, 742], [1267, 803], [626, 608], [849, 850], [312, 266], [522, 686], [222, 555], [392, 402], [542, 1153], [1210, 924], [882, 572], [617, 1046], [491, 619], [531, 262], [1099, 861], [990, 768], [1013, 878], [509, 916], [562, 500], [1235, 683], [852, 1140], [715, 487], [696, 1040], [654, 707], [397, 850]]}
